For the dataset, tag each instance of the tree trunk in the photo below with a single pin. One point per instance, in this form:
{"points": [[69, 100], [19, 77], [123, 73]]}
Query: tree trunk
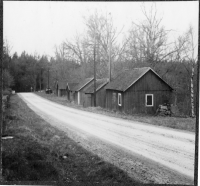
{"points": [[192, 91]]}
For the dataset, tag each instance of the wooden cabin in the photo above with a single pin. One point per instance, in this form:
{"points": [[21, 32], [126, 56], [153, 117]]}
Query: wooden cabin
{"points": [[78, 92], [61, 88], [71, 88], [140, 90], [100, 94]]}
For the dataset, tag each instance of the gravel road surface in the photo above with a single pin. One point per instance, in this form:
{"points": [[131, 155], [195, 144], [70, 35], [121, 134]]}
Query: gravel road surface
{"points": [[163, 147]]}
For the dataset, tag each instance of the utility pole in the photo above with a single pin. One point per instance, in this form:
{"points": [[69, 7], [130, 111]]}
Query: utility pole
{"points": [[109, 35], [41, 79], [48, 78], [56, 83], [95, 69]]}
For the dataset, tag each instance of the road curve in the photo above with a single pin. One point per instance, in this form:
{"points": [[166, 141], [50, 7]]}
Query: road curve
{"points": [[169, 147]]}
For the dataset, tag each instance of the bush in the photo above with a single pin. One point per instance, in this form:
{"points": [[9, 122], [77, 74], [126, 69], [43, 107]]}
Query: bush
{"points": [[6, 92]]}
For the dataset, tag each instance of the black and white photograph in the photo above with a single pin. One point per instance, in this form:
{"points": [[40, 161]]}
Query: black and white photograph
{"points": [[100, 92]]}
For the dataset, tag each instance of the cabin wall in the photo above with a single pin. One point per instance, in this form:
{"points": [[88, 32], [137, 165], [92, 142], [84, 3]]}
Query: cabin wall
{"points": [[75, 97], [133, 99], [134, 102], [71, 96], [87, 100], [62, 92], [149, 82], [100, 98], [83, 97], [112, 100]]}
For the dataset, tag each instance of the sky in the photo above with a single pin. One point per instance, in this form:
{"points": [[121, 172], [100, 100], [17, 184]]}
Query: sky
{"points": [[37, 27]]}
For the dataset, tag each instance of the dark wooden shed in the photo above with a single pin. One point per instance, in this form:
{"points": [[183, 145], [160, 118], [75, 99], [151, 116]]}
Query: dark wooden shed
{"points": [[140, 90], [78, 91], [61, 88], [71, 88], [100, 93]]}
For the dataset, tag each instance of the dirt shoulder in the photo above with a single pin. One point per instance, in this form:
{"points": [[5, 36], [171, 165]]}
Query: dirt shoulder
{"points": [[187, 124], [41, 152]]}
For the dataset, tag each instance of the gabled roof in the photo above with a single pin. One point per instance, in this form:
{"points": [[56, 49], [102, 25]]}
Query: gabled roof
{"points": [[83, 83], [72, 86], [130, 77], [99, 84], [62, 84]]}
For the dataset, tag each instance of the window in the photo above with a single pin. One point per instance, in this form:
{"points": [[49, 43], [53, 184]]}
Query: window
{"points": [[119, 99], [149, 100]]}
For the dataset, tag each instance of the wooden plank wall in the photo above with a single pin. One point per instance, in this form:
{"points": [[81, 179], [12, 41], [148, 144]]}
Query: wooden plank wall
{"points": [[88, 99], [133, 99], [71, 96], [134, 102], [83, 96], [112, 100], [63, 92], [75, 97], [100, 98]]}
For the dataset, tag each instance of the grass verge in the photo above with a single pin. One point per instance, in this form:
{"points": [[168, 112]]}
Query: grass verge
{"points": [[187, 124], [40, 152]]}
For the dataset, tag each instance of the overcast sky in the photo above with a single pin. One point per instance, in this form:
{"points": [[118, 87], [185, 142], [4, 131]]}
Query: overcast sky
{"points": [[39, 26]]}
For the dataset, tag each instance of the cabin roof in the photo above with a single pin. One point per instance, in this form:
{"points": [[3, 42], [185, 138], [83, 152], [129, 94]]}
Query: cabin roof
{"points": [[72, 86], [99, 84], [129, 77], [82, 84], [62, 84]]}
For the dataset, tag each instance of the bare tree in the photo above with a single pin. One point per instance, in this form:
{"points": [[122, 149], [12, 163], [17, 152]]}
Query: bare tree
{"points": [[184, 52], [189, 55], [148, 40], [74, 50], [99, 29], [109, 47]]}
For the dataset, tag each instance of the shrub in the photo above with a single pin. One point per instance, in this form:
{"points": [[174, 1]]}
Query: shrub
{"points": [[6, 92]]}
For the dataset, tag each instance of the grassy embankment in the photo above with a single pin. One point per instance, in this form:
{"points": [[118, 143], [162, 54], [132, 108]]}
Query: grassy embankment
{"points": [[187, 124], [40, 152]]}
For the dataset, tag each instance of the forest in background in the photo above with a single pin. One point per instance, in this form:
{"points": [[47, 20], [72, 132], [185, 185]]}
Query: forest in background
{"points": [[146, 44]]}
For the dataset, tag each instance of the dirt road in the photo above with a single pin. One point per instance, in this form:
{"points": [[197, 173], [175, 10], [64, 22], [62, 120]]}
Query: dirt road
{"points": [[173, 149]]}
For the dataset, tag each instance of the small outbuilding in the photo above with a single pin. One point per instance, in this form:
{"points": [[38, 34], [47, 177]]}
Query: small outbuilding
{"points": [[78, 90], [140, 90], [100, 93], [61, 88], [71, 88]]}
